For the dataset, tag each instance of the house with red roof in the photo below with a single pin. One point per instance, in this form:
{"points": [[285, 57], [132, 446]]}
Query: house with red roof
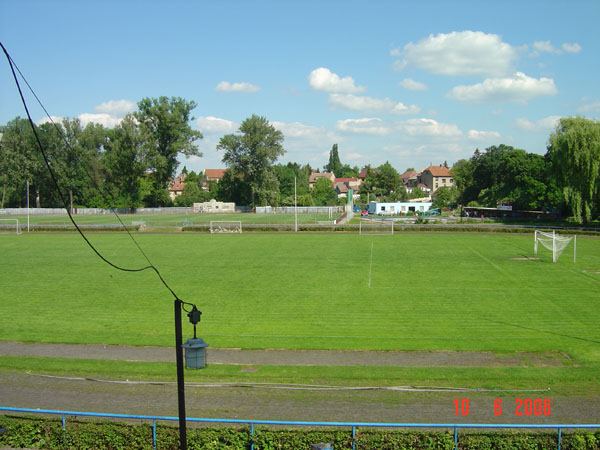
{"points": [[212, 176], [435, 177], [176, 186]]}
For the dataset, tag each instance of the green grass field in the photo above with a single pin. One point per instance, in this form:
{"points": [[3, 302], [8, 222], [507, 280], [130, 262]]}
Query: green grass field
{"points": [[428, 291]]}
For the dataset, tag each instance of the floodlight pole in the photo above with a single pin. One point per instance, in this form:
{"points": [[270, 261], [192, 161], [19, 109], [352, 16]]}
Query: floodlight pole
{"points": [[180, 381], [295, 208], [27, 205]]}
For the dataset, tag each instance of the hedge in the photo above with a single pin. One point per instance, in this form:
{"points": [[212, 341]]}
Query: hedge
{"points": [[36, 432]]}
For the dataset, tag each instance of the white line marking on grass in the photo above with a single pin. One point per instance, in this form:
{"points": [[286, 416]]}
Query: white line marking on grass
{"points": [[371, 265]]}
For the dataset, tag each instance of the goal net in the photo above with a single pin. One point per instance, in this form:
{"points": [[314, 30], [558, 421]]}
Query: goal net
{"points": [[10, 226], [555, 243], [376, 227], [225, 227]]}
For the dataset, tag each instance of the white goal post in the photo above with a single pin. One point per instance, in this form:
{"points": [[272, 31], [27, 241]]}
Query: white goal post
{"points": [[555, 243], [376, 227], [7, 225], [221, 226]]}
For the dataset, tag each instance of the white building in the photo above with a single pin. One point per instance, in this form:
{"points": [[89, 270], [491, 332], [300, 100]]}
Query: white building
{"points": [[214, 207], [397, 207]]}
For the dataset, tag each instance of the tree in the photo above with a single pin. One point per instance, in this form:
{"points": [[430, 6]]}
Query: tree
{"points": [[445, 197], [124, 164], [18, 162], [165, 127], [249, 157], [323, 193], [192, 192], [346, 171], [574, 152], [334, 165], [503, 174], [385, 183]]}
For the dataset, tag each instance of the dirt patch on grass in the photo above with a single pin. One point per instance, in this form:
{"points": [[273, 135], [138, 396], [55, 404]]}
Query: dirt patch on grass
{"points": [[294, 357], [525, 258]]}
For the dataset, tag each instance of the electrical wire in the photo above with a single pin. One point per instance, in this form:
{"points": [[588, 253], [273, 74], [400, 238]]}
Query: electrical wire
{"points": [[60, 193]]}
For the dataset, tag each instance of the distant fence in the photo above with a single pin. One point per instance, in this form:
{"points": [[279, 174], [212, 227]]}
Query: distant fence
{"points": [[170, 210], [352, 426], [299, 209]]}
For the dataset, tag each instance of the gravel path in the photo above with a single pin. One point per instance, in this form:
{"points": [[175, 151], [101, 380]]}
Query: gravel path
{"points": [[290, 357]]}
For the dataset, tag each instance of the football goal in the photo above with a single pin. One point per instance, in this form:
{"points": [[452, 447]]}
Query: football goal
{"points": [[10, 226], [217, 226], [376, 227], [555, 243]]}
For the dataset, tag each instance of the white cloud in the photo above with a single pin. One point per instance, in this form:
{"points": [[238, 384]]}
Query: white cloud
{"points": [[588, 107], [116, 108], [226, 86], [571, 47], [302, 131], [543, 124], [429, 127], [519, 88], [323, 79], [476, 135], [101, 118], [401, 108], [547, 47], [363, 126], [413, 85], [364, 103], [211, 124], [56, 119], [459, 53]]}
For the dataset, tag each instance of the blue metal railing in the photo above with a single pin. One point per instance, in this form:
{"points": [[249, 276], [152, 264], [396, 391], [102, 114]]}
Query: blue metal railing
{"points": [[251, 423]]}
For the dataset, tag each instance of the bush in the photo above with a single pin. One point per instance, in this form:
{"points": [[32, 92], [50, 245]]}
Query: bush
{"points": [[48, 434]]}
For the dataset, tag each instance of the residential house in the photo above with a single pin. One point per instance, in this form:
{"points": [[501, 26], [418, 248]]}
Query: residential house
{"points": [[435, 177], [176, 186], [409, 179], [312, 179], [212, 176], [343, 185]]}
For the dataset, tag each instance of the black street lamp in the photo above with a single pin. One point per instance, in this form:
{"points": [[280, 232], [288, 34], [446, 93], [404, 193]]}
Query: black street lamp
{"points": [[195, 357]]}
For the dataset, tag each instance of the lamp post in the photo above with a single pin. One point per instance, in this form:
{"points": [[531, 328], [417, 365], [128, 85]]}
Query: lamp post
{"points": [[192, 349]]}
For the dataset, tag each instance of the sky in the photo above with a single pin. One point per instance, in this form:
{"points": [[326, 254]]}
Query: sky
{"points": [[410, 82]]}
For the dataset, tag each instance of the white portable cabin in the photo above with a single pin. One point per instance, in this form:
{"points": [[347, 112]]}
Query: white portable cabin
{"points": [[383, 208]]}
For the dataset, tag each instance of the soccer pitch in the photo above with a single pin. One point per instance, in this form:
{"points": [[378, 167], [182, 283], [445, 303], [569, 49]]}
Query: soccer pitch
{"points": [[411, 291]]}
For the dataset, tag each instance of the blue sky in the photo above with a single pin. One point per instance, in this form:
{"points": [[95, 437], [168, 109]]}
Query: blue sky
{"points": [[412, 83]]}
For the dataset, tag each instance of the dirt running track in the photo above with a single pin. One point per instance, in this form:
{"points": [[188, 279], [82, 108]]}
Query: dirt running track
{"points": [[35, 391]]}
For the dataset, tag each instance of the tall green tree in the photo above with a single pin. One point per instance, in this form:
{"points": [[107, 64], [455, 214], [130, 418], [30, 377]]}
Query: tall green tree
{"points": [[250, 156], [384, 183], [574, 152], [124, 164], [18, 160], [334, 165], [503, 174], [445, 197], [323, 193], [165, 128]]}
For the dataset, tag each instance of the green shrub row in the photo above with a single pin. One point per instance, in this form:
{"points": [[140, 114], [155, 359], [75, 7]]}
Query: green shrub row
{"points": [[44, 433]]}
